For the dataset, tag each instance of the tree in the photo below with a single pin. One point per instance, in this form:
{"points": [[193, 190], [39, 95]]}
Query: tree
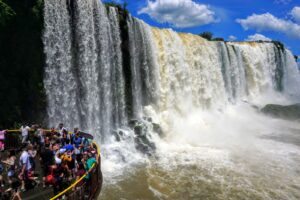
{"points": [[278, 44], [218, 39], [6, 13], [207, 35], [21, 62]]}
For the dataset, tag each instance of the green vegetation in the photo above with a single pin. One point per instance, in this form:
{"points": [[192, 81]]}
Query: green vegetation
{"points": [[21, 62], [209, 36], [278, 44], [218, 39], [6, 13], [121, 7]]}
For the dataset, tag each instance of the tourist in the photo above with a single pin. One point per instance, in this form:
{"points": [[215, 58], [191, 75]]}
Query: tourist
{"points": [[25, 167], [41, 139], [1, 177], [89, 163], [47, 159], [65, 137], [24, 130], [35, 135], [61, 130], [75, 132], [66, 157], [11, 163], [58, 173], [77, 146], [32, 153], [2, 139], [79, 174], [61, 161]]}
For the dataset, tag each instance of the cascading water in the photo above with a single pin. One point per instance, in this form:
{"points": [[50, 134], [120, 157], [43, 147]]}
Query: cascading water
{"points": [[60, 81], [117, 81], [83, 48], [118, 78]]}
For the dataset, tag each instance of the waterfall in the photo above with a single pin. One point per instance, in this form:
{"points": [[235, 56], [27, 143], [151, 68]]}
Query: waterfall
{"points": [[168, 74], [60, 79], [143, 65], [83, 76], [117, 75]]}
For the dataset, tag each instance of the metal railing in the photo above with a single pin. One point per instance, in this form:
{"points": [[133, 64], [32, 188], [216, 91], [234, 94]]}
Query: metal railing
{"points": [[88, 190]]}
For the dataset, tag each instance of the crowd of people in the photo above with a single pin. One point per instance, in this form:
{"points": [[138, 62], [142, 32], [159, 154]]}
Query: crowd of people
{"points": [[64, 157]]}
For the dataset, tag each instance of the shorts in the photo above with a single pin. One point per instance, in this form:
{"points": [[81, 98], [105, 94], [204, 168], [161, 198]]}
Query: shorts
{"points": [[27, 174], [46, 170], [24, 138]]}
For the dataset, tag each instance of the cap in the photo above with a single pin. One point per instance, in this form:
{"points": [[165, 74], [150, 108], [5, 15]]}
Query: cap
{"points": [[61, 151]]}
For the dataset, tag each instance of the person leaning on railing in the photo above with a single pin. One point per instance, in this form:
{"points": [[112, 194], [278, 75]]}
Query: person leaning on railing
{"points": [[25, 131], [2, 138]]}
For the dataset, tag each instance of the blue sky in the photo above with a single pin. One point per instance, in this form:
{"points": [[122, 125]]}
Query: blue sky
{"points": [[230, 19]]}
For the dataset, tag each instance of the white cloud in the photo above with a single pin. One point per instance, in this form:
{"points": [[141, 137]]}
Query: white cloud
{"points": [[232, 38], [257, 37], [179, 13], [268, 22], [296, 14]]}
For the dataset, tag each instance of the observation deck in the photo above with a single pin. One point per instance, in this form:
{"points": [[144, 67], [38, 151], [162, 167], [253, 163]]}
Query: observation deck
{"points": [[78, 189]]}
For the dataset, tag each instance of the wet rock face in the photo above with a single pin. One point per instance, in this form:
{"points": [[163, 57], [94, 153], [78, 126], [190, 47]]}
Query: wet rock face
{"points": [[158, 129], [143, 140], [141, 133], [290, 112]]}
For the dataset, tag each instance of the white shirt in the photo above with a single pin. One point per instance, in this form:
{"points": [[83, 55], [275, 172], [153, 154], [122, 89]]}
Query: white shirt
{"points": [[41, 135], [61, 131], [24, 160], [25, 130]]}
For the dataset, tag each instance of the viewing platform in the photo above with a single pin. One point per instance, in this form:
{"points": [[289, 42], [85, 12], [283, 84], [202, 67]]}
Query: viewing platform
{"points": [[72, 186]]}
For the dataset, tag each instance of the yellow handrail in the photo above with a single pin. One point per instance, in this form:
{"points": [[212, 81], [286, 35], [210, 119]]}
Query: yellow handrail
{"points": [[18, 130], [80, 179]]}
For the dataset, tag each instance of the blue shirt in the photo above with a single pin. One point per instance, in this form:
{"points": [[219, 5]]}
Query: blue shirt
{"points": [[77, 142]]}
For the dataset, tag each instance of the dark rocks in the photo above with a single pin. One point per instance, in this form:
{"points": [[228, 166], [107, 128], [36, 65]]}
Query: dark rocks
{"points": [[290, 112], [157, 129], [143, 130]]}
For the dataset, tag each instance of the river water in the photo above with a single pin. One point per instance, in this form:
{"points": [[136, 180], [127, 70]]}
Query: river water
{"points": [[223, 156]]}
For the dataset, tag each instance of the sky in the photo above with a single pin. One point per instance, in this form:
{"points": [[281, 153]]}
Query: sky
{"points": [[233, 20]]}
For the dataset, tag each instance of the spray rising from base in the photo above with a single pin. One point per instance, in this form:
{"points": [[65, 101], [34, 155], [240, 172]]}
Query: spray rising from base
{"points": [[234, 154]]}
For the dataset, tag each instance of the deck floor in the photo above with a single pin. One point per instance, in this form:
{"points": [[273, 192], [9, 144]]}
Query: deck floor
{"points": [[38, 192]]}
